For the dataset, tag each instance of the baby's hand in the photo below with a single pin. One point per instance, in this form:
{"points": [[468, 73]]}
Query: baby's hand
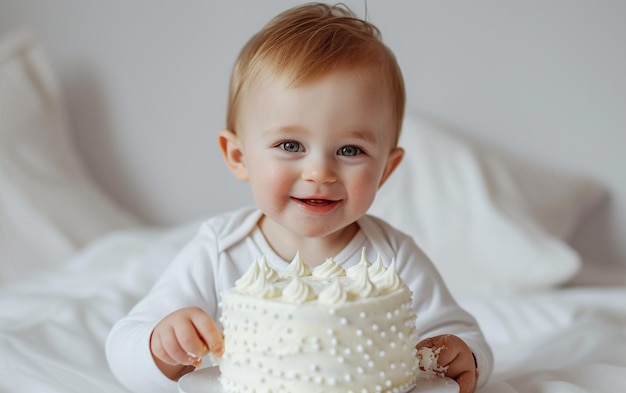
{"points": [[182, 338], [455, 359]]}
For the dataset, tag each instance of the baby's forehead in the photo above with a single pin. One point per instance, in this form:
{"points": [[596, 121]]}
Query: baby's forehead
{"points": [[366, 77], [276, 97], [266, 83]]}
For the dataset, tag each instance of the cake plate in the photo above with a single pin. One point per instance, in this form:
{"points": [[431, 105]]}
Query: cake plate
{"points": [[207, 380]]}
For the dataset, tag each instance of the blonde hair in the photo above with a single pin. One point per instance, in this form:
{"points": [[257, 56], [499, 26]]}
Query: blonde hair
{"points": [[311, 41]]}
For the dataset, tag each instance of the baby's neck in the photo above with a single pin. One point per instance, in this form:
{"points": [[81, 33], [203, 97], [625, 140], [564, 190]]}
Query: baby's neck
{"points": [[313, 250]]}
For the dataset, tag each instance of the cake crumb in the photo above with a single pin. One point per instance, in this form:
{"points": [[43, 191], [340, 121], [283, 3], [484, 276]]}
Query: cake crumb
{"points": [[428, 361]]}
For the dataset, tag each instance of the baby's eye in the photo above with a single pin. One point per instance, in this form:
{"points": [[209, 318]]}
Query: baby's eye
{"points": [[350, 151], [291, 146]]}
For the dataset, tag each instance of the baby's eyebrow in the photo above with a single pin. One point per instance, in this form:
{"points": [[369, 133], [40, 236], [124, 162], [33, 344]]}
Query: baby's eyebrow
{"points": [[365, 135], [283, 130]]}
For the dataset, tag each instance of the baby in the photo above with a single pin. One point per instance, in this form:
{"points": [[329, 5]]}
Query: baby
{"points": [[315, 110]]}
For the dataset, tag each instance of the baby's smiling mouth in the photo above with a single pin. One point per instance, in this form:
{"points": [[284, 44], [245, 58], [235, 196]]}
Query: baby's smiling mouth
{"points": [[317, 202]]}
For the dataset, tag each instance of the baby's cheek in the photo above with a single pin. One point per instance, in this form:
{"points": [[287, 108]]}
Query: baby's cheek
{"points": [[362, 187]]}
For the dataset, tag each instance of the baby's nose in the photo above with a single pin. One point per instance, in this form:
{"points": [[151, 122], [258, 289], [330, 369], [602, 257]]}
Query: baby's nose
{"points": [[319, 170]]}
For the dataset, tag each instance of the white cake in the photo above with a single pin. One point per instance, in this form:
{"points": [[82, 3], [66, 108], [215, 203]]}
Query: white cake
{"points": [[322, 331]]}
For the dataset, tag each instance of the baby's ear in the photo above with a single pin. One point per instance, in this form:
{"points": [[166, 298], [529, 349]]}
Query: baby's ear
{"points": [[228, 143], [394, 159]]}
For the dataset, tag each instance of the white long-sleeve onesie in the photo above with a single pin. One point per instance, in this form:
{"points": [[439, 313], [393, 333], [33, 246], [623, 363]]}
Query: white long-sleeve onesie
{"points": [[222, 251]]}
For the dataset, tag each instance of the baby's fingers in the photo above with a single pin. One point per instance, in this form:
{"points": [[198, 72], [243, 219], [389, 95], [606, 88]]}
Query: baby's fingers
{"points": [[175, 339], [457, 360], [209, 333], [166, 344], [466, 381], [191, 346], [459, 371], [158, 349]]}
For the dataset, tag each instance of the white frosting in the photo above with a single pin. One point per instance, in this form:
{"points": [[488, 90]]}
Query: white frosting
{"points": [[333, 294], [262, 288], [270, 274], [361, 286], [363, 264], [297, 291], [389, 280], [376, 269], [248, 279], [329, 268], [297, 267], [317, 337]]}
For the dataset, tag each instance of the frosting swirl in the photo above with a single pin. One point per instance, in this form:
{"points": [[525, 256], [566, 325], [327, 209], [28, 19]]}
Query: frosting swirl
{"points": [[262, 288], [270, 274], [363, 264], [297, 267], [329, 268], [266, 291], [362, 287], [389, 280], [376, 269], [245, 282], [297, 291], [333, 294]]}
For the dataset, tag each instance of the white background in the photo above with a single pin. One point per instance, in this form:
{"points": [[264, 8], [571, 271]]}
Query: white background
{"points": [[146, 86]]}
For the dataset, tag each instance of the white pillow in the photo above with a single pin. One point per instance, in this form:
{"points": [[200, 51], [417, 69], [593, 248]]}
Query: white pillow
{"points": [[492, 223], [49, 207]]}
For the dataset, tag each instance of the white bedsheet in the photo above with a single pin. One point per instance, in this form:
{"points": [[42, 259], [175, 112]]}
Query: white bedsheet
{"points": [[53, 326]]}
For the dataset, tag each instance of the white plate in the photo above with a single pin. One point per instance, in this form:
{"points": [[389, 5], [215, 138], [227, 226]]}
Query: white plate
{"points": [[207, 380]]}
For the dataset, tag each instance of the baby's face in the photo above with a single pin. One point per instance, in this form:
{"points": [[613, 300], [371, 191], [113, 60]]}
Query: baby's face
{"points": [[315, 155]]}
